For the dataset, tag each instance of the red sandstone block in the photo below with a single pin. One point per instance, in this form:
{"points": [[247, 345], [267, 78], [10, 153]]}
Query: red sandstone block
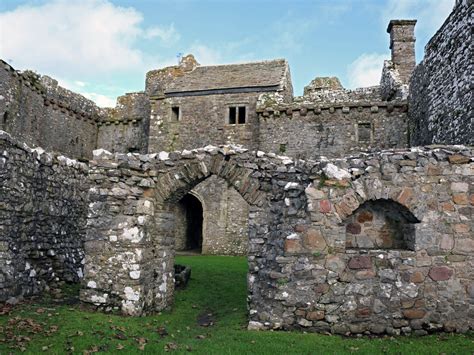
{"points": [[315, 315], [324, 206], [414, 313], [440, 273], [360, 262], [405, 195], [299, 228], [363, 312], [458, 159], [353, 228], [292, 246], [461, 228], [447, 206], [417, 277], [313, 240], [460, 199], [365, 216]]}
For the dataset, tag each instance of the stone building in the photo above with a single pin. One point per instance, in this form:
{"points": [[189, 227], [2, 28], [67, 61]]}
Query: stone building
{"points": [[349, 226]]}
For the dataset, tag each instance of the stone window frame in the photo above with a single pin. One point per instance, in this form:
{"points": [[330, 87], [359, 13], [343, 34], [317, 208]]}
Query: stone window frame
{"points": [[237, 106], [360, 123]]}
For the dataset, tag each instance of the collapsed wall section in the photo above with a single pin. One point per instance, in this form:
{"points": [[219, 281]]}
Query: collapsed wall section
{"points": [[43, 212], [441, 88], [36, 110]]}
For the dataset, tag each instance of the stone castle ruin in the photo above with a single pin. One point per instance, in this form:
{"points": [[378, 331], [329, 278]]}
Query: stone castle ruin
{"points": [[354, 207]]}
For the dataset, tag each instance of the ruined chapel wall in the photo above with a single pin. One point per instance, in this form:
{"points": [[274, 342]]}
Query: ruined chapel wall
{"points": [[130, 240], [42, 218], [331, 129], [301, 275], [35, 110], [412, 290], [441, 89]]}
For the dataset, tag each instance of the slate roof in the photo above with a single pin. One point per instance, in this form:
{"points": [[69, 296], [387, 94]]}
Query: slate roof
{"points": [[231, 76]]}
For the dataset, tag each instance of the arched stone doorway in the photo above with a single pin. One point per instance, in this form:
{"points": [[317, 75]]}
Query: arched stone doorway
{"points": [[224, 219], [189, 217]]}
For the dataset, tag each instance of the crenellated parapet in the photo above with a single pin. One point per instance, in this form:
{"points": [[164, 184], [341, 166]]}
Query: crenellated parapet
{"points": [[330, 120], [36, 110]]}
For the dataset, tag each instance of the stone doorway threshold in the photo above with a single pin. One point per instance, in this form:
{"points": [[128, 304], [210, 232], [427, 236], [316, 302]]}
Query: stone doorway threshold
{"points": [[192, 252]]}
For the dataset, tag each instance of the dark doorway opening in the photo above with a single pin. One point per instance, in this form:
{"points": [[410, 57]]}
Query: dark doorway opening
{"points": [[194, 220]]}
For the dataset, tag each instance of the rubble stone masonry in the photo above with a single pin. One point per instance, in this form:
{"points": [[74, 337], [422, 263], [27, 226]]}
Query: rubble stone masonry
{"points": [[43, 210], [303, 273], [441, 88]]}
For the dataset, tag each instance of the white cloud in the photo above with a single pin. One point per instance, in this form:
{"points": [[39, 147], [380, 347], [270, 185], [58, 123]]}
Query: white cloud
{"points": [[366, 70], [87, 90], [76, 36], [100, 100], [167, 35], [223, 54], [429, 13], [206, 55]]}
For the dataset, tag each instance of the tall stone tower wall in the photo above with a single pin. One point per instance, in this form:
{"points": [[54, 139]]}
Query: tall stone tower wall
{"points": [[441, 88]]}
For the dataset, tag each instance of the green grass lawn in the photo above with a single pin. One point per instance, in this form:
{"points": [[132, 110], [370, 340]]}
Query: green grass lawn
{"points": [[217, 287]]}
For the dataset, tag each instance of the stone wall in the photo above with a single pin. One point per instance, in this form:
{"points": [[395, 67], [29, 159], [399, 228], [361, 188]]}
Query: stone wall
{"points": [[225, 213], [131, 239], [125, 128], [203, 121], [42, 219], [225, 230], [181, 226], [301, 273], [324, 286], [35, 110], [441, 99], [331, 123]]}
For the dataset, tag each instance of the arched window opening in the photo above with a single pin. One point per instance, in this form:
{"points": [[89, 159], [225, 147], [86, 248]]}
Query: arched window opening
{"points": [[381, 224]]}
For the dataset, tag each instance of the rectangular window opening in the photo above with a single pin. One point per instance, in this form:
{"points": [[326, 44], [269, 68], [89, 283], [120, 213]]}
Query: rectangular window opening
{"points": [[242, 115], [237, 115], [175, 113], [232, 115], [364, 132]]}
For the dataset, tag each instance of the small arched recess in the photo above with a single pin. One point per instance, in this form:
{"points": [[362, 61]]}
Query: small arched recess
{"points": [[381, 224]]}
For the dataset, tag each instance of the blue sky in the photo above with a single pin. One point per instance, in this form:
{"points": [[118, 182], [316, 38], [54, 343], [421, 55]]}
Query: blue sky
{"points": [[103, 48]]}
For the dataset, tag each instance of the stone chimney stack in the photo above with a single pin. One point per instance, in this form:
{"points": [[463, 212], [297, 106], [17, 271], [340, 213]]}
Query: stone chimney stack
{"points": [[402, 44]]}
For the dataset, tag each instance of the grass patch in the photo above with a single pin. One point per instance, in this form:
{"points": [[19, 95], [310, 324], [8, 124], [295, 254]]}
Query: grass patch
{"points": [[217, 290]]}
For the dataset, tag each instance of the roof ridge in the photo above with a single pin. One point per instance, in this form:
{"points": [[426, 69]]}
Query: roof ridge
{"points": [[253, 62]]}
